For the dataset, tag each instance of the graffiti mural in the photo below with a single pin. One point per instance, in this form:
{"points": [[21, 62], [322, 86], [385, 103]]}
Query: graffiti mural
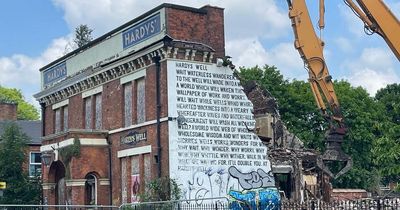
{"points": [[260, 199], [254, 179], [135, 187], [259, 191], [213, 154]]}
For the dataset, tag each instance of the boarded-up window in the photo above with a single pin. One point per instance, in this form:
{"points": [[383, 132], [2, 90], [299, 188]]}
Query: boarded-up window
{"points": [[128, 104], [88, 113], [135, 179], [147, 168], [124, 181], [141, 106], [65, 122], [98, 115], [58, 121]]}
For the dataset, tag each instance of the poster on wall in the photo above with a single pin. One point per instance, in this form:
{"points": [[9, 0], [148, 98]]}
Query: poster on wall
{"points": [[135, 187], [211, 151]]}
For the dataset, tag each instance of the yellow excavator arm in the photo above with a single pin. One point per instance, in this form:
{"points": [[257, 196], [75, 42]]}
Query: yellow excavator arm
{"points": [[378, 19], [310, 48]]}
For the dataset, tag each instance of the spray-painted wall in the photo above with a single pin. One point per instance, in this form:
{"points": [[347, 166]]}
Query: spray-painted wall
{"points": [[211, 152]]}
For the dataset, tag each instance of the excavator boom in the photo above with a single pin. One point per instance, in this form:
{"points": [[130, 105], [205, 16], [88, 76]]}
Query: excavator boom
{"points": [[377, 18], [310, 48]]}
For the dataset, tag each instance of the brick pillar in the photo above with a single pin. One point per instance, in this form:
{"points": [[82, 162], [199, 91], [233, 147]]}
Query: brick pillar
{"points": [[8, 111]]}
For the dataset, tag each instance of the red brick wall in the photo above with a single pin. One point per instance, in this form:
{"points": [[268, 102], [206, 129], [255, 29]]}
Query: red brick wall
{"points": [[207, 28], [204, 27], [92, 159], [348, 194], [8, 111], [112, 105], [75, 112], [49, 120]]}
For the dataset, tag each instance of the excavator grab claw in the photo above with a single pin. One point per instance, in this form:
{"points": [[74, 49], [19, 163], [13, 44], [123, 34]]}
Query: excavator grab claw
{"points": [[334, 153]]}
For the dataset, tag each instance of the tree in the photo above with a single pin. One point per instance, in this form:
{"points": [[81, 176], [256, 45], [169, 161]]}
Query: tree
{"points": [[83, 35], [299, 112], [386, 148], [161, 189], [25, 111], [390, 98], [20, 189]]}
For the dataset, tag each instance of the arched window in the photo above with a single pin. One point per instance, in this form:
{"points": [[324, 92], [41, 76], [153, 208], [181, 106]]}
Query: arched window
{"points": [[91, 189]]}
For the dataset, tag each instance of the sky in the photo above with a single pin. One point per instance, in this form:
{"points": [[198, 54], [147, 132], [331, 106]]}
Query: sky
{"points": [[257, 32]]}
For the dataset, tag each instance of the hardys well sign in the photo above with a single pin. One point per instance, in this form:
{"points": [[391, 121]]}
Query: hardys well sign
{"points": [[141, 32], [55, 73], [134, 137], [133, 36]]}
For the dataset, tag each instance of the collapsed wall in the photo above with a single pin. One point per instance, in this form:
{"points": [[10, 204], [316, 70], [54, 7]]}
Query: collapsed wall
{"points": [[294, 167]]}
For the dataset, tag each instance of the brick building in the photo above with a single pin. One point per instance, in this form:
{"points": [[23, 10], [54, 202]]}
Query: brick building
{"points": [[143, 101], [32, 128]]}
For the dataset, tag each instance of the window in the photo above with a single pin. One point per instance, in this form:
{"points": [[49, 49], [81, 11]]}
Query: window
{"points": [[93, 116], [128, 104], [58, 121], [140, 97], [65, 124], [88, 113], [35, 165], [91, 191], [61, 119], [98, 114]]}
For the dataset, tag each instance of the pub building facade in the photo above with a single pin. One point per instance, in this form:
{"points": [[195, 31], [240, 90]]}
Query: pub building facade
{"points": [[143, 101]]}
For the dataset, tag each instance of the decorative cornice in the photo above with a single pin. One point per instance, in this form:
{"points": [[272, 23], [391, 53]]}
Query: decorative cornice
{"points": [[91, 78]]}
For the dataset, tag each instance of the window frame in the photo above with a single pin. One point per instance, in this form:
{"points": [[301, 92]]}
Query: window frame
{"points": [[34, 163]]}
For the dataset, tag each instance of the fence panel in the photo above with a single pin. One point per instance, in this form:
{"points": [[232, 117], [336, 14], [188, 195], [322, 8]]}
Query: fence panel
{"points": [[55, 207], [366, 204], [223, 204]]}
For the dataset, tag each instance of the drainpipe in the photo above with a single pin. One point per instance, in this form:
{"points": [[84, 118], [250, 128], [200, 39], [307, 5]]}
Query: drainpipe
{"points": [[109, 167], [158, 98], [43, 107]]}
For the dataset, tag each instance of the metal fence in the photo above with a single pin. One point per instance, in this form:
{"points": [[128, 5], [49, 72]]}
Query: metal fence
{"points": [[223, 204], [56, 207], [363, 204]]}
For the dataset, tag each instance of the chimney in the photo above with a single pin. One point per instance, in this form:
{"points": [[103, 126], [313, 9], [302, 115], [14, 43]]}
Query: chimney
{"points": [[8, 111]]}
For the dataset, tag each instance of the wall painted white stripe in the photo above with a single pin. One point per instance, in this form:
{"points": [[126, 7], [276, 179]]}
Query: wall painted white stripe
{"points": [[60, 104], [134, 151]]}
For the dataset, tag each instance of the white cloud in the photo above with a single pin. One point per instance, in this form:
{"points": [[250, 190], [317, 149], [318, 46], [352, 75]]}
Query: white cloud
{"points": [[344, 44], [259, 18], [22, 72], [250, 52], [374, 69], [353, 23]]}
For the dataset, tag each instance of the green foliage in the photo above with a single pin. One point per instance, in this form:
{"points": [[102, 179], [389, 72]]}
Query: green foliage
{"points": [[161, 189], [372, 139], [25, 110], [20, 188], [67, 153], [386, 154], [83, 35], [386, 150], [389, 97]]}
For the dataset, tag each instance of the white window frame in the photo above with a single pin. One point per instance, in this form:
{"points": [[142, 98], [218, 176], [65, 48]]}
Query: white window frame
{"points": [[32, 163]]}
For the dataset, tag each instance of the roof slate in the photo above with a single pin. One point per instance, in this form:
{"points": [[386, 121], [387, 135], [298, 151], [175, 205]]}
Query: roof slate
{"points": [[32, 128]]}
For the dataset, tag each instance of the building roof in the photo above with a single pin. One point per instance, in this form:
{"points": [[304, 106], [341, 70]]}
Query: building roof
{"points": [[32, 128], [120, 28]]}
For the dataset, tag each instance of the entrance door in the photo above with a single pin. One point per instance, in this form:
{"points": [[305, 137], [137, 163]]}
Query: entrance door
{"points": [[61, 191]]}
